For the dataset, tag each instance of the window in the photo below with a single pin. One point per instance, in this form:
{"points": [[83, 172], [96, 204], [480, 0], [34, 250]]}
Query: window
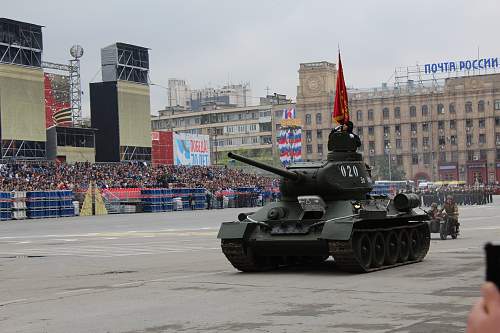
{"points": [[385, 113], [399, 160], [359, 115], [309, 149], [498, 154], [427, 158], [468, 123], [278, 126], [453, 139], [320, 149], [413, 127], [440, 109], [308, 135], [497, 121], [371, 130], [441, 125], [482, 139], [425, 127], [497, 139], [398, 144], [482, 123], [483, 154], [468, 107], [468, 139], [371, 145], [451, 107], [318, 118], [387, 144], [442, 156], [425, 141], [497, 104], [453, 124], [442, 140], [308, 119], [370, 114], [470, 155], [425, 110], [414, 159], [413, 111], [414, 142], [360, 131], [319, 134], [387, 131], [397, 112], [454, 156], [480, 106], [397, 129]]}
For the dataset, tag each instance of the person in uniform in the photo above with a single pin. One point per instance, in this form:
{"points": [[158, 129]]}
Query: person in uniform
{"points": [[451, 209], [344, 128]]}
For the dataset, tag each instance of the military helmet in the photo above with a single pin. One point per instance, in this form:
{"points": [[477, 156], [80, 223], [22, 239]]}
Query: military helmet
{"points": [[434, 205]]}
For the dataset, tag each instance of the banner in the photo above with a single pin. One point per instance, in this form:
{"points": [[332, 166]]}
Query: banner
{"points": [[191, 149], [57, 96]]}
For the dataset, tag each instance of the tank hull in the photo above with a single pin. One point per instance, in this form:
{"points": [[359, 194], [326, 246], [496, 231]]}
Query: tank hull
{"points": [[375, 237]]}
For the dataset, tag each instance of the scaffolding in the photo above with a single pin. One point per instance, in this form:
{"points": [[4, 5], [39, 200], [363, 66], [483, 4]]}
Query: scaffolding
{"points": [[20, 43]]}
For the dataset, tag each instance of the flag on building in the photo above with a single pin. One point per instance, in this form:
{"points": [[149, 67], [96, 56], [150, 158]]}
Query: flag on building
{"points": [[63, 116], [340, 105], [289, 113]]}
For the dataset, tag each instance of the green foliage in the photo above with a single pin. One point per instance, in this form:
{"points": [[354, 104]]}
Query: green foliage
{"points": [[381, 169]]}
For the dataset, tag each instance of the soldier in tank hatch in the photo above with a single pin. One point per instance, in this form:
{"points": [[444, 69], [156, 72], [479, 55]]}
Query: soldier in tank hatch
{"points": [[344, 128]]}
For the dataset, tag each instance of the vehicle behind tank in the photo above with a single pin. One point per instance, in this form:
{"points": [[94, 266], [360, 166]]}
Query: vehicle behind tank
{"points": [[326, 210]]}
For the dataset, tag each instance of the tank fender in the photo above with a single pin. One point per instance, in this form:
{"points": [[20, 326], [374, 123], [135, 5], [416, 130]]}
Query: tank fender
{"points": [[339, 230], [235, 230]]}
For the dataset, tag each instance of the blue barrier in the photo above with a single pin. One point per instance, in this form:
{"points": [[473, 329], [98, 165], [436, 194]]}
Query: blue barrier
{"points": [[45, 204]]}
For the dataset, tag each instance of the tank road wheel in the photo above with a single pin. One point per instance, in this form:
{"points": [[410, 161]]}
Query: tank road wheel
{"points": [[404, 245], [391, 248], [363, 250], [378, 251], [425, 240], [415, 244]]}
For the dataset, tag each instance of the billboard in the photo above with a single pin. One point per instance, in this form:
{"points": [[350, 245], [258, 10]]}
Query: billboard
{"points": [[191, 149], [57, 99]]}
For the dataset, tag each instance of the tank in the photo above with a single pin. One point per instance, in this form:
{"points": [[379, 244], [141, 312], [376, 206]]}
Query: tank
{"points": [[326, 211]]}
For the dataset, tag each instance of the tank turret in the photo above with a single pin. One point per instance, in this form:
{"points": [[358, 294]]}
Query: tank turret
{"points": [[342, 176]]}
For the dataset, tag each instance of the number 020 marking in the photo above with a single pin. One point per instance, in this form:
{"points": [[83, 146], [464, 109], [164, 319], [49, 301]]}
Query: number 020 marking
{"points": [[349, 171]]}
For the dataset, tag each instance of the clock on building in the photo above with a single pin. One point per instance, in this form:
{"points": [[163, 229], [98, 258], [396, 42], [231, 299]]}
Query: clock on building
{"points": [[314, 84]]}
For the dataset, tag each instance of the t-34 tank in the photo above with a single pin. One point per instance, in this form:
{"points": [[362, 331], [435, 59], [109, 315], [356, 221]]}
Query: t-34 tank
{"points": [[326, 210]]}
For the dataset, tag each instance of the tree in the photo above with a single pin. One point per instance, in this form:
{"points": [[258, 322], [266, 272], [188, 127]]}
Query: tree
{"points": [[381, 169]]}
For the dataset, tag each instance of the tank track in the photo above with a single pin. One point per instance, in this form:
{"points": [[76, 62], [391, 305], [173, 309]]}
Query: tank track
{"points": [[242, 258], [346, 259]]}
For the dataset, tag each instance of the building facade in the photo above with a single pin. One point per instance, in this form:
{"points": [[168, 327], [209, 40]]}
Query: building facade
{"points": [[446, 131], [247, 130], [315, 95]]}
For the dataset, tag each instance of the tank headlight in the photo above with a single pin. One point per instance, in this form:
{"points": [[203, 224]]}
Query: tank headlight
{"points": [[357, 205]]}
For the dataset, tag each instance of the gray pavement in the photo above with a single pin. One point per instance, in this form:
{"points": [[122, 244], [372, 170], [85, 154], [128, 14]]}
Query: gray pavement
{"points": [[165, 273]]}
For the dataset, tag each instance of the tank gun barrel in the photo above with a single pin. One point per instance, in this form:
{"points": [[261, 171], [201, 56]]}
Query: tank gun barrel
{"points": [[278, 171]]}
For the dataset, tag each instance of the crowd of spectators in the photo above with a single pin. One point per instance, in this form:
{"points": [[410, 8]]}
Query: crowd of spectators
{"points": [[52, 176]]}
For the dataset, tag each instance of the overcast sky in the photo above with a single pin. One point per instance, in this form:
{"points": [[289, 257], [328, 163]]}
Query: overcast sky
{"points": [[210, 43]]}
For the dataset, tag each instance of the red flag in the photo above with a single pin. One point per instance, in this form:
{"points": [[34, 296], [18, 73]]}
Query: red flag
{"points": [[340, 105]]}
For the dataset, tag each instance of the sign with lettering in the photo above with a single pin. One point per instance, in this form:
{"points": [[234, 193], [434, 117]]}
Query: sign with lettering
{"points": [[462, 65], [191, 149]]}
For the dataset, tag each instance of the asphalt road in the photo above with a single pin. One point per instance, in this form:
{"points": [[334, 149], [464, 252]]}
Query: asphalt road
{"points": [[165, 273]]}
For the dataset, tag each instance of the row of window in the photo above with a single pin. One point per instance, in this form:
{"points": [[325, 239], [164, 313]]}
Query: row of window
{"points": [[309, 119], [452, 124], [442, 157], [441, 141], [246, 140], [424, 109]]}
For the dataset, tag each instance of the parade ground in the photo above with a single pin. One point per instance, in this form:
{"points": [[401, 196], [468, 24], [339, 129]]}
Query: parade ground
{"points": [[164, 272]]}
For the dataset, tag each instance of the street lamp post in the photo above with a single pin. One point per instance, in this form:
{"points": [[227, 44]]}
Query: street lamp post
{"points": [[388, 152]]}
